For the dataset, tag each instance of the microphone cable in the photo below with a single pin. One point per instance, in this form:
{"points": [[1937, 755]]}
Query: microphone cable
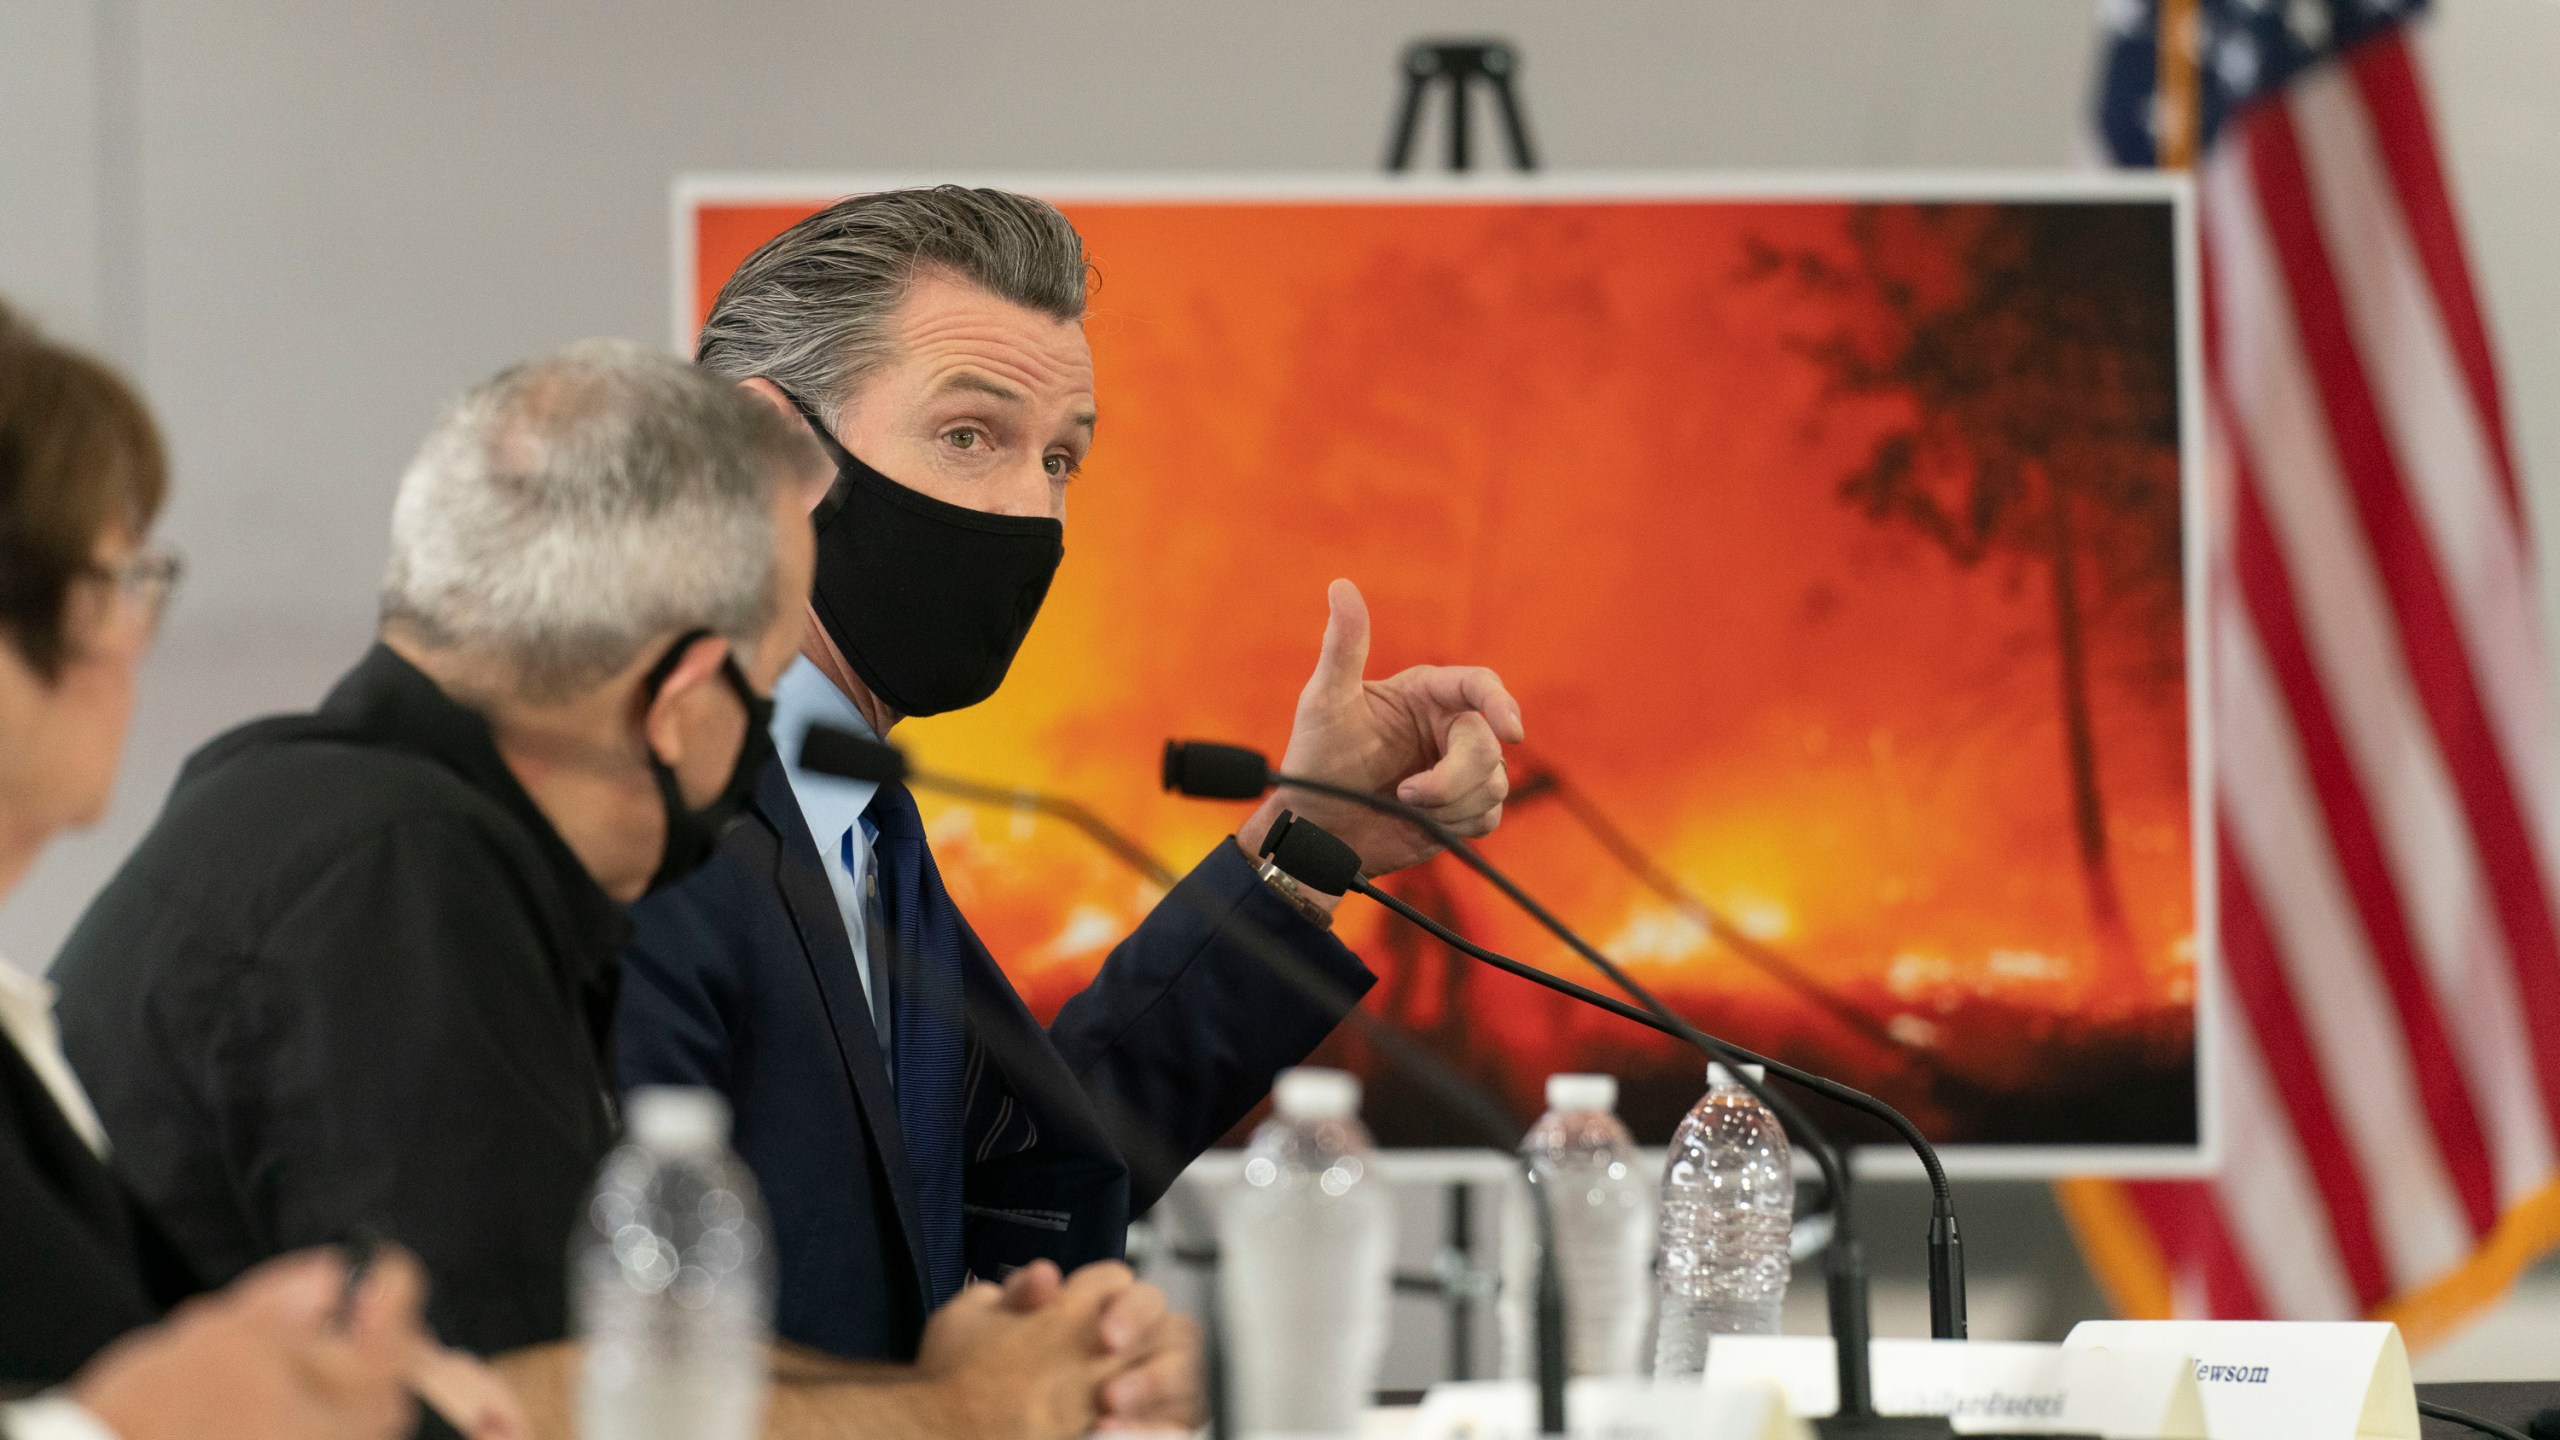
{"points": [[1316, 857], [1232, 772], [1542, 781]]}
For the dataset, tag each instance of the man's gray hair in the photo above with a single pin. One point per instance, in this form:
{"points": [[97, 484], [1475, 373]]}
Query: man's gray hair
{"points": [[810, 309], [568, 512]]}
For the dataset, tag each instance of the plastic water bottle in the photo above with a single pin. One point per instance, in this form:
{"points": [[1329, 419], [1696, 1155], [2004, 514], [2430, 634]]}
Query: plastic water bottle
{"points": [[1307, 1245], [672, 1281], [1728, 1198], [1603, 1206]]}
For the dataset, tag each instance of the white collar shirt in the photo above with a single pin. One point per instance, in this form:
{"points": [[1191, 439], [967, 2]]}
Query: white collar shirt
{"points": [[26, 1012], [831, 805]]}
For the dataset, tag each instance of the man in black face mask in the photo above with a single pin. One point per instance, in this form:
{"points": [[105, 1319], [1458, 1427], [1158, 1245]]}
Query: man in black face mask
{"points": [[361, 974], [911, 1124]]}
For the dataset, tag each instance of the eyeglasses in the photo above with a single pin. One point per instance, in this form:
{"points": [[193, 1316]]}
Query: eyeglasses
{"points": [[149, 579]]}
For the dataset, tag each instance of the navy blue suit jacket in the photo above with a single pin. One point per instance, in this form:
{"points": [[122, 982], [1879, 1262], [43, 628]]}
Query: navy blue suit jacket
{"points": [[741, 978]]}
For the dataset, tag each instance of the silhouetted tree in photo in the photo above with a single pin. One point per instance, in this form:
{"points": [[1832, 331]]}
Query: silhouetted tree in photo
{"points": [[2027, 358]]}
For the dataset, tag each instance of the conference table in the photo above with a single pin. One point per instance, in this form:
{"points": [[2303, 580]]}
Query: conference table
{"points": [[2509, 1402]]}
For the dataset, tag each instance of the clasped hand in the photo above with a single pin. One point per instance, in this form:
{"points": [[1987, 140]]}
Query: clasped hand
{"points": [[1042, 1356], [272, 1358]]}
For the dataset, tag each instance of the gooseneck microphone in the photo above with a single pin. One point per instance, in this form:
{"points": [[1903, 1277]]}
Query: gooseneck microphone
{"points": [[850, 756], [1210, 771], [843, 753], [1232, 772], [1317, 858]]}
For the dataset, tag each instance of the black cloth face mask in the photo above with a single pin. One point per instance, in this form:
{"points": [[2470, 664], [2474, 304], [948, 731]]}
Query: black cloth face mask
{"points": [[693, 836], [929, 601]]}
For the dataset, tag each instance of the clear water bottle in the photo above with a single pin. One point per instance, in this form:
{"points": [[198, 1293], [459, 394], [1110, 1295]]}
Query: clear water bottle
{"points": [[1604, 1234], [671, 1280], [1728, 1198], [1307, 1248]]}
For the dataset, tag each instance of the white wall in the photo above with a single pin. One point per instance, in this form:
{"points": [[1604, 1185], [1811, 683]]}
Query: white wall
{"points": [[349, 211], [49, 164], [302, 225]]}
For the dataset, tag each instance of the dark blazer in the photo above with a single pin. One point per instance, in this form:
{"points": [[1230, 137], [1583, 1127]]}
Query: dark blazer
{"points": [[741, 978], [79, 1263], [353, 978]]}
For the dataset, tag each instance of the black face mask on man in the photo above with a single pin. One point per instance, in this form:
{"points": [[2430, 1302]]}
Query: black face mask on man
{"points": [[693, 836], [929, 601]]}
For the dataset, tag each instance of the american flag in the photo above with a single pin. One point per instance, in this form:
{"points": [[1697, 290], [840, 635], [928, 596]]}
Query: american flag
{"points": [[2388, 788]]}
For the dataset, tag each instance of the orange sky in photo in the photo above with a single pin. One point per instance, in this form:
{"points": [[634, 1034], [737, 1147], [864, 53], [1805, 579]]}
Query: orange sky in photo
{"points": [[1576, 442]]}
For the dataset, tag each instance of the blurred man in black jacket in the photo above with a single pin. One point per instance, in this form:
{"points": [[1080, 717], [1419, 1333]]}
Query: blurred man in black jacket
{"points": [[362, 971], [83, 1273]]}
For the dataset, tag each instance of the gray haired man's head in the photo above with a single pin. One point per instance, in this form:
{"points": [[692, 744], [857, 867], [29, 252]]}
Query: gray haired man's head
{"points": [[571, 510], [811, 309]]}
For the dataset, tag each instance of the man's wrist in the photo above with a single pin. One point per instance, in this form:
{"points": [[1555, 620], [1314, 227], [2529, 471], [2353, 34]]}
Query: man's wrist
{"points": [[1314, 905]]}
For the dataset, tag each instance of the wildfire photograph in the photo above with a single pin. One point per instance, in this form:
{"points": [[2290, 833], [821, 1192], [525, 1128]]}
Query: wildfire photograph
{"points": [[1833, 548]]}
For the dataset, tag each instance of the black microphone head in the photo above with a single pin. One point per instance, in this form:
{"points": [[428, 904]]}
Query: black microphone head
{"points": [[849, 756], [1208, 771], [1310, 854]]}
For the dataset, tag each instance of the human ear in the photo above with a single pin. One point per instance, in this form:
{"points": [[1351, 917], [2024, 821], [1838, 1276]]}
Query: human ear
{"points": [[771, 394], [812, 486], [661, 715]]}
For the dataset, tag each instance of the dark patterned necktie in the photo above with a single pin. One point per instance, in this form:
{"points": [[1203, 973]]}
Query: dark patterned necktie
{"points": [[930, 1028]]}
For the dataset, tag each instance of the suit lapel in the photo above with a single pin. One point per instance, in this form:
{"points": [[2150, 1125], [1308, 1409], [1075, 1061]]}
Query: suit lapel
{"points": [[1066, 1196], [1020, 1050], [828, 953], [58, 1153]]}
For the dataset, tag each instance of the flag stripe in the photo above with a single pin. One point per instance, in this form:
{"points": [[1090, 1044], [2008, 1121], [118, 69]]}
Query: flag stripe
{"points": [[2387, 781], [2429, 639], [2404, 133], [2262, 776], [2187, 1213], [2267, 594], [2354, 1058], [2258, 370], [2502, 1061], [2258, 981], [2269, 1223], [2442, 454]]}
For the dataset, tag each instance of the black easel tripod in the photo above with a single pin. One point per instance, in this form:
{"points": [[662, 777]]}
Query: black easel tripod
{"points": [[1461, 1280], [1460, 64]]}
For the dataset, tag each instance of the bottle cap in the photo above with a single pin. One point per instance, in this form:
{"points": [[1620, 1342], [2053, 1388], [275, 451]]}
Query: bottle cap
{"points": [[676, 1117], [1573, 1094], [1311, 1092], [1717, 1074]]}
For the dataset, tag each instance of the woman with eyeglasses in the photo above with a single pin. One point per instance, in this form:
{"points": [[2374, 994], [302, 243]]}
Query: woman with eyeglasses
{"points": [[90, 1348]]}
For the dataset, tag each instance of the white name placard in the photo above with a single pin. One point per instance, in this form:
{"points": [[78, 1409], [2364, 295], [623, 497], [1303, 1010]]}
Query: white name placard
{"points": [[1607, 1410], [2280, 1380], [1982, 1387]]}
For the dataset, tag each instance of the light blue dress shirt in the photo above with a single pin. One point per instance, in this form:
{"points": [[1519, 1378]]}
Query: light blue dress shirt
{"points": [[832, 805]]}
